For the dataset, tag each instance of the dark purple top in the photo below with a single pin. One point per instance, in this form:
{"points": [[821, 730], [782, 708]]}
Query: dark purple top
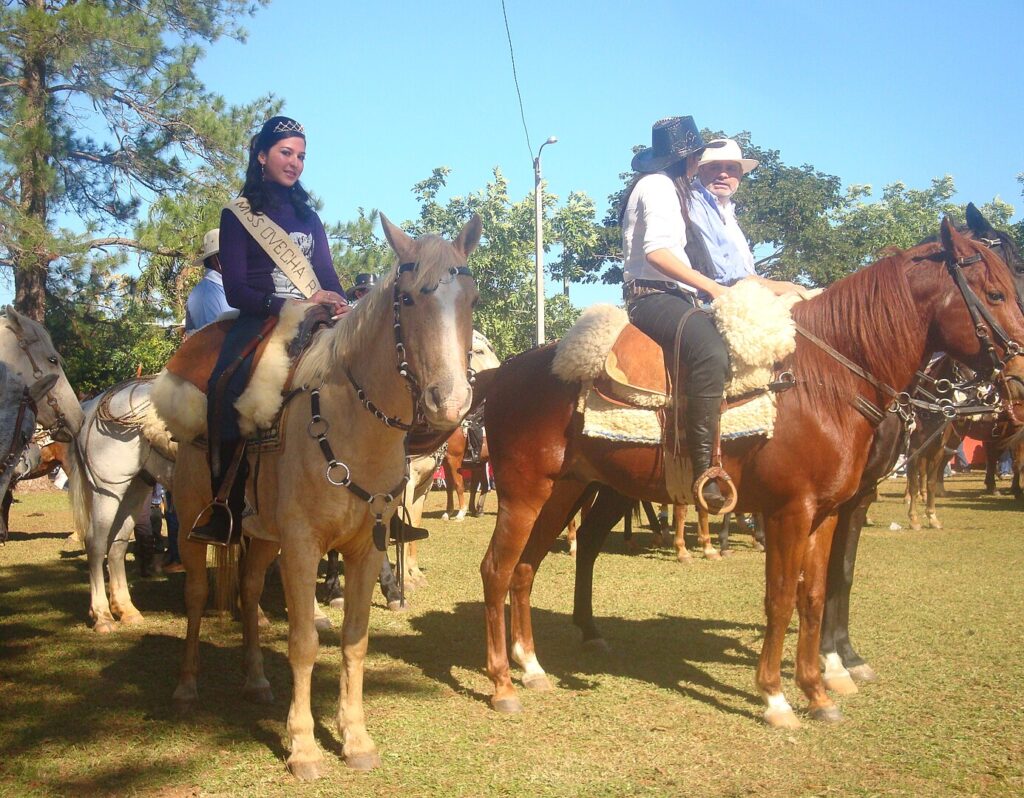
{"points": [[248, 270]]}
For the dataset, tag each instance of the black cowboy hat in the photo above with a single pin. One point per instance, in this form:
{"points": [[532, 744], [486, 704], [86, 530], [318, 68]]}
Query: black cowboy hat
{"points": [[672, 140], [363, 280]]}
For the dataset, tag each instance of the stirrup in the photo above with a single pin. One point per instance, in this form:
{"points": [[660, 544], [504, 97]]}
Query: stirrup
{"points": [[410, 533], [203, 537], [719, 475]]}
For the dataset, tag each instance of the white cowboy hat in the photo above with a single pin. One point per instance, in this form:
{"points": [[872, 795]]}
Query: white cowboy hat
{"points": [[727, 150], [211, 245]]}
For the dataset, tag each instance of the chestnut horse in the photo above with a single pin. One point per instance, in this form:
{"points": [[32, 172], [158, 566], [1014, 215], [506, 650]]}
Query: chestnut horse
{"points": [[883, 321], [844, 665]]}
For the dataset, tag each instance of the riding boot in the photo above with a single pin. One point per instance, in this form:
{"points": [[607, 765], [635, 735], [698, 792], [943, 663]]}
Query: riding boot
{"points": [[225, 522], [144, 555], [702, 418]]}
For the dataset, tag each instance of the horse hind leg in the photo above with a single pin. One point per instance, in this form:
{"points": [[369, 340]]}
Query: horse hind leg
{"points": [[679, 540], [547, 527], [197, 587]]}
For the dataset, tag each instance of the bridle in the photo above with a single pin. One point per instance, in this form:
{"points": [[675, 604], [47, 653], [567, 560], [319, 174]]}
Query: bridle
{"points": [[903, 403], [20, 438], [319, 426], [60, 420]]}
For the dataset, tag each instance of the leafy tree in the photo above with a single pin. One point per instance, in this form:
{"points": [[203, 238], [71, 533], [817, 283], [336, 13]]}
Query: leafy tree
{"points": [[100, 112], [355, 248]]}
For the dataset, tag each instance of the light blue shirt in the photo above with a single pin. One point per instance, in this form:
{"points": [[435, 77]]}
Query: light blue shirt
{"points": [[731, 264], [206, 302]]}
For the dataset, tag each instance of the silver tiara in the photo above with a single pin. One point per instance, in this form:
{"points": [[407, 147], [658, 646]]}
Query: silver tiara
{"points": [[288, 126]]}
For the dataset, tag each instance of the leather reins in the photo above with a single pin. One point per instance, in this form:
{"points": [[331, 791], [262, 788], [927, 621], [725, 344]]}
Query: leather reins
{"points": [[19, 438]]}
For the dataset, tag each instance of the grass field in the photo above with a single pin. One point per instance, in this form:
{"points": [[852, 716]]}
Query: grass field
{"points": [[670, 711]]}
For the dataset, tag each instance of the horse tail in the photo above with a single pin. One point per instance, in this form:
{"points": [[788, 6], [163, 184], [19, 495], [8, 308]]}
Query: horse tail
{"points": [[79, 490], [225, 591]]}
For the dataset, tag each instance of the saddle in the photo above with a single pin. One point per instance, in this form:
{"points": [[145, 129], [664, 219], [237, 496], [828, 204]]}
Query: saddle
{"points": [[634, 372]]}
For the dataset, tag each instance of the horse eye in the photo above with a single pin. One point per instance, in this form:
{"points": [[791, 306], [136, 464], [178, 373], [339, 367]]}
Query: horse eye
{"points": [[407, 300], [53, 359], [996, 296]]}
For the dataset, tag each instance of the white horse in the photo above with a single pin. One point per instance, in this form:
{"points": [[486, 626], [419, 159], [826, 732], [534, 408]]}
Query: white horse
{"points": [[27, 351], [338, 473], [17, 423], [121, 451]]}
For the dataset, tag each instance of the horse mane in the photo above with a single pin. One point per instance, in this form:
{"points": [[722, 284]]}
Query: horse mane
{"points": [[848, 316], [358, 331]]}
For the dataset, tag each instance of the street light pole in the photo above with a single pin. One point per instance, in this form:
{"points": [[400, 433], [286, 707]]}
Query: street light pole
{"points": [[538, 200]]}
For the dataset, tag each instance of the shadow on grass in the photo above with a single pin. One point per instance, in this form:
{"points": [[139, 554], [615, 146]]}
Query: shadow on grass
{"points": [[21, 537], [669, 652]]}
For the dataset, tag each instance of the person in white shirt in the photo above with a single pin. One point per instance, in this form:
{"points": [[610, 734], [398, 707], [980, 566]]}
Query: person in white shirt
{"points": [[666, 273]]}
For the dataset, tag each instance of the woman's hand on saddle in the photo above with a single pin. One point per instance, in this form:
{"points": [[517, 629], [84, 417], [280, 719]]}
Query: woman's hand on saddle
{"points": [[786, 288], [339, 305]]}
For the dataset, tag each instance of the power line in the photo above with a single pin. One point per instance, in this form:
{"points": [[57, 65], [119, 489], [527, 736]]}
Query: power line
{"points": [[515, 77]]}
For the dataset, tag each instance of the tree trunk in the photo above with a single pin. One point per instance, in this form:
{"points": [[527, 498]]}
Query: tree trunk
{"points": [[33, 259]]}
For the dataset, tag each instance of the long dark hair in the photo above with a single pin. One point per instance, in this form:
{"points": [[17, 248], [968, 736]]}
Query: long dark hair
{"points": [[677, 174], [254, 190]]}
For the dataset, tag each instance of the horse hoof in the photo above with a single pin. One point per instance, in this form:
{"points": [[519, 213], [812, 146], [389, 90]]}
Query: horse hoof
{"points": [[935, 524], [686, 558], [711, 554], [781, 719], [863, 673], [398, 606], [258, 695], [366, 761], [758, 546], [597, 645], [337, 603], [840, 685], [915, 525], [538, 682], [323, 624], [105, 627], [132, 618], [306, 771], [444, 517], [507, 706], [829, 714]]}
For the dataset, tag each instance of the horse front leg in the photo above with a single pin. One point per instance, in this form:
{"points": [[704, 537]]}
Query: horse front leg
{"points": [[300, 557], [96, 541], [811, 605], [704, 536], [785, 540], [913, 492], [258, 556], [360, 577], [932, 480], [836, 617]]}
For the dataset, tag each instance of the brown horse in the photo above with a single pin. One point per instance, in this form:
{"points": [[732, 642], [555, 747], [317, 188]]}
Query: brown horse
{"points": [[886, 319]]}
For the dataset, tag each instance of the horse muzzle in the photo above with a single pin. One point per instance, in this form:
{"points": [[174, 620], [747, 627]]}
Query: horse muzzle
{"points": [[444, 407]]}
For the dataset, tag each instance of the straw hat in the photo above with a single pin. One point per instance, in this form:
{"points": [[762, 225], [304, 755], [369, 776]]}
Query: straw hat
{"points": [[211, 245], [727, 150]]}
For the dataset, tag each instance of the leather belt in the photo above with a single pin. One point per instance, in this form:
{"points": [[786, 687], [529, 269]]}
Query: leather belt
{"points": [[636, 289]]}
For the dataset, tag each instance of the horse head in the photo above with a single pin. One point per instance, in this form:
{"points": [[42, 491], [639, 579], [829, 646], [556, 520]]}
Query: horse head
{"points": [[28, 351], [17, 420], [984, 326], [433, 298], [1002, 243]]}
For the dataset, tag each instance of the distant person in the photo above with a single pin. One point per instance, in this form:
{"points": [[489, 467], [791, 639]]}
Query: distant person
{"points": [[207, 302], [364, 282]]}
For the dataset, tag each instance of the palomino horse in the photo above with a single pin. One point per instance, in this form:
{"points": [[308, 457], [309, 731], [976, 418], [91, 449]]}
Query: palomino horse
{"points": [[26, 349], [121, 450], [844, 665], [879, 324], [335, 478]]}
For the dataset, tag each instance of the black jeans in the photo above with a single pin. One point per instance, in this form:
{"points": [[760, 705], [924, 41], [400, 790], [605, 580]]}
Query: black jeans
{"points": [[702, 352]]}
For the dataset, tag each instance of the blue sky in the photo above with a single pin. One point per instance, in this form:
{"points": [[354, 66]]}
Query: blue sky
{"points": [[873, 92]]}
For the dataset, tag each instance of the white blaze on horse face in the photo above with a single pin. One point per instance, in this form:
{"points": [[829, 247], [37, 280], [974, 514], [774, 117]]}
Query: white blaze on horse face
{"points": [[448, 395]]}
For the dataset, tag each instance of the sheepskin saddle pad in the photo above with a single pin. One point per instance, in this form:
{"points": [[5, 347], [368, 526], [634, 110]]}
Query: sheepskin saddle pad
{"points": [[179, 392], [623, 373]]}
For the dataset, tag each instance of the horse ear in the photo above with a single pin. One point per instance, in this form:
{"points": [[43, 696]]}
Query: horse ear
{"points": [[42, 386], [469, 236], [952, 241], [12, 316], [400, 242], [977, 222]]}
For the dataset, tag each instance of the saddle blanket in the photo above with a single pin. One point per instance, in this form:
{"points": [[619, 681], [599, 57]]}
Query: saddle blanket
{"points": [[758, 329]]}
